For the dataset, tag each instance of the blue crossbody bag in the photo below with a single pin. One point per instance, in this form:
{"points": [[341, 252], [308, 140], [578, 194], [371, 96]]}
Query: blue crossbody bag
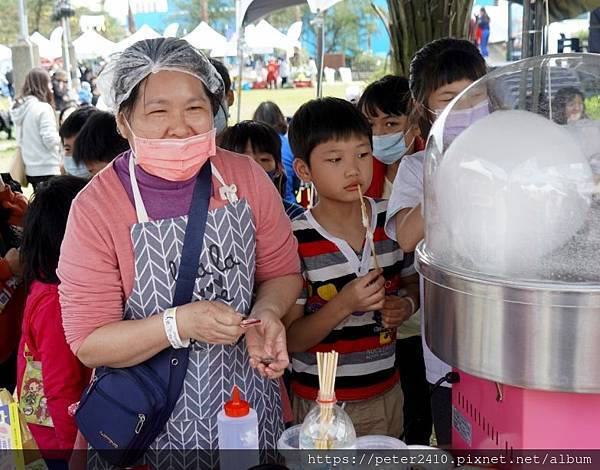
{"points": [[123, 411]]}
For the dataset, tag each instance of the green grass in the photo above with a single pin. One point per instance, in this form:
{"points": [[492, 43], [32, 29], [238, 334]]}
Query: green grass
{"points": [[592, 107], [289, 100]]}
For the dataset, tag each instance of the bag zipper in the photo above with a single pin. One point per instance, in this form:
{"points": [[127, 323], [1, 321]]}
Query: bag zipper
{"points": [[140, 424]]}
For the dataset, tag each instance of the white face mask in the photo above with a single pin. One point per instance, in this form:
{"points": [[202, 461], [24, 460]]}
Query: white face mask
{"points": [[390, 148], [459, 119]]}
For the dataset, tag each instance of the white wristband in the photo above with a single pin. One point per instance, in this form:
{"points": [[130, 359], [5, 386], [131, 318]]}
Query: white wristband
{"points": [[170, 324], [413, 307]]}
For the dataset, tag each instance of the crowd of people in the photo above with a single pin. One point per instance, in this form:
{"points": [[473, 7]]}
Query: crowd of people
{"points": [[92, 263]]}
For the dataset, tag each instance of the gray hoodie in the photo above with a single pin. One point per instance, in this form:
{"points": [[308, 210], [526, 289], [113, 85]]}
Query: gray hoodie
{"points": [[37, 135]]}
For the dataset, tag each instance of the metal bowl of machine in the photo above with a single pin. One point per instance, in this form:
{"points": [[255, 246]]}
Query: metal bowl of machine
{"points": [[511, 257], [529, 335]]}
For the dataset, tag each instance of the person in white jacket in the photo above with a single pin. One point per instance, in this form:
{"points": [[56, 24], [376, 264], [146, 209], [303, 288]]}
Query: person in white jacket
{"points": [[37, 131]]}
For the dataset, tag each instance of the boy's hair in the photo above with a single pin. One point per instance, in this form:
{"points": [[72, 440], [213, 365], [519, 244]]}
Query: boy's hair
{"points": [[269, 113], [75, 121], [390, 95], [98, 140], [44, 227], [262, 138], [439, 63], [68, 108], [322, 120], [222, 70]]}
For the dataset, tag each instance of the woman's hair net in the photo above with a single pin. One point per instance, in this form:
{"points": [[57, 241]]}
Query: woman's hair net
{"points": [[128, 69]]}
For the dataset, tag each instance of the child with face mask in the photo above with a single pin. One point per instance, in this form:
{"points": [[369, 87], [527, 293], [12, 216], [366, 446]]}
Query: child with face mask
{"points": [[68, 131], [351, 303], [261, 142], [439, 72], [386, 103]]}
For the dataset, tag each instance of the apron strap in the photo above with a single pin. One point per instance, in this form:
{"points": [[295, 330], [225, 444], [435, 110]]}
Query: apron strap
{"points": [[227, 192], [138, 202]]}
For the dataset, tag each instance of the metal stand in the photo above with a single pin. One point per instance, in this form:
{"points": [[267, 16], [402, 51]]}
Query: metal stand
{"points": [[534, 20]]}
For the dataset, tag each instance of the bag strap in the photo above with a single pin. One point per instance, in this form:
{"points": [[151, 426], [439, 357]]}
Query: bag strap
{"points": [[186, 277], [194, 237]]}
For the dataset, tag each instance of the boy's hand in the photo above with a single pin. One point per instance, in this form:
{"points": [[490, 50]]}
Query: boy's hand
{"points": [[364, 294], [396, 311]]}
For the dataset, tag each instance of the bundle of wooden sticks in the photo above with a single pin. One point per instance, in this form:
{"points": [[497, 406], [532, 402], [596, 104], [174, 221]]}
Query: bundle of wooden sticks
{"points": [[327, 366]]}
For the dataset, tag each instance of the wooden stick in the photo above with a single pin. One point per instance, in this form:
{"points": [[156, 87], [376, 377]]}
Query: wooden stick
{"points": [[367, 225], [327, 367]]}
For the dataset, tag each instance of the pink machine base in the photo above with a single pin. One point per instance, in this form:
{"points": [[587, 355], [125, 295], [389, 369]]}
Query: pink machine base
{"points": [[523, 419]]}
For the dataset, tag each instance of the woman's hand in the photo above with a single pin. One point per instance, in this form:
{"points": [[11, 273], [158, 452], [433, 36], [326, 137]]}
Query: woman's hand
{"points": [[13, 258], [267, 345], [209, 322]]}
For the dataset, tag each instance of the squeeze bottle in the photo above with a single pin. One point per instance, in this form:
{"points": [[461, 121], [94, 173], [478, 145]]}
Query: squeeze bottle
{"points": [[237, 425]]}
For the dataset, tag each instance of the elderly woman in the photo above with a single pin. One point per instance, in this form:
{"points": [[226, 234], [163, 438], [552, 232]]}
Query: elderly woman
{"points": [[122, 250]]}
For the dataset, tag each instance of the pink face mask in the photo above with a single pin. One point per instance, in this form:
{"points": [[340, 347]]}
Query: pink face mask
{"points": [[174, 159]]}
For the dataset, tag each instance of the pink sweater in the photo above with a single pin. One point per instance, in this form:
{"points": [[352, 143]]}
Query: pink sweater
{"points": [[96, 267]]}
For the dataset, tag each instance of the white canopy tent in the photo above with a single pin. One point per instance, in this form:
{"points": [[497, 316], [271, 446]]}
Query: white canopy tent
{"points": [[91, 45], [171, 30], [226, 49], [261, 38], [205, 37], [294, 32], [47, 49], [252, 10], [56, 36], [249, 11], [272, 36], [5, 53], [145, 32]]}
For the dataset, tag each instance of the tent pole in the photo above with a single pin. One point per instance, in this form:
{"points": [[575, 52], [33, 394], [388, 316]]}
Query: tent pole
{"points": [[510, 43], [240, 55], [240, 71], [65, 48], [320, 21]]}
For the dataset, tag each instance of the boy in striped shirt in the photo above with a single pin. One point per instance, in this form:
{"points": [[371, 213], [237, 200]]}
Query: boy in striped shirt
{"points": [[347, 305]]}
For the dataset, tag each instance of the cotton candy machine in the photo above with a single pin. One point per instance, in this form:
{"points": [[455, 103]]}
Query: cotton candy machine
{"points": [[511, 256]]}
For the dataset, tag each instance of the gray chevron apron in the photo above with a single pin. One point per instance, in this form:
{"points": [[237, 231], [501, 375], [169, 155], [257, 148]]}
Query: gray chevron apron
{"points": [[225, 274]]}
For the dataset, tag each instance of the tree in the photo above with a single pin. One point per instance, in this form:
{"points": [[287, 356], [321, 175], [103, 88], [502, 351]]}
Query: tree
{"points": [[347, 25], [412, 24], [9, 26], [39, 13], [39, 19], [282, 19], [39, 16], [215, 12], [113, 30]]}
